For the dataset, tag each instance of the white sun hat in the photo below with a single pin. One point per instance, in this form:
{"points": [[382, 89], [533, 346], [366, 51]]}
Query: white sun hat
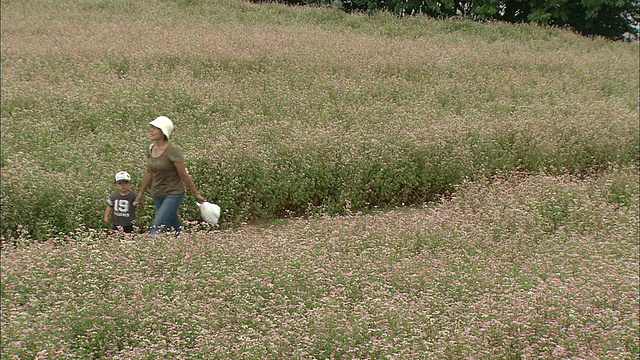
{"points": [[210, 212], [123, 176], [163, 123]]}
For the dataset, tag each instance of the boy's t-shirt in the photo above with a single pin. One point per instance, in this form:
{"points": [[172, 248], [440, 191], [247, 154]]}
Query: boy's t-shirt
{"points": [[166, 180], [124, 208]]}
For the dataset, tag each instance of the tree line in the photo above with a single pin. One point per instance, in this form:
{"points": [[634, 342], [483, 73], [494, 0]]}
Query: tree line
{"points": [[612, 19]]}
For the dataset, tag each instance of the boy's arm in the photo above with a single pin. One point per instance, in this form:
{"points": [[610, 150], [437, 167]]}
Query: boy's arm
{"points": [[107, 212]]}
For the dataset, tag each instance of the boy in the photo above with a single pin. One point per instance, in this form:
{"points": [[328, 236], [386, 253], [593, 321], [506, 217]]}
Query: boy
{"points": [[122, 203]]}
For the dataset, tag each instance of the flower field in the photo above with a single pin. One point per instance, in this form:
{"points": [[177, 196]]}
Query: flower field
{"points": [[293, 111], [542, 267], [391, 188]]}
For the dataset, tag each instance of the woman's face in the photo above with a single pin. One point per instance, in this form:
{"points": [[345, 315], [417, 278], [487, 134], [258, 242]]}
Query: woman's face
{"points": [[155, 134]]}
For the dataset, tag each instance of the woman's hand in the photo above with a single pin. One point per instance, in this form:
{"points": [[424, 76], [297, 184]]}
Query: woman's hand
{"points": [[200, 199]]}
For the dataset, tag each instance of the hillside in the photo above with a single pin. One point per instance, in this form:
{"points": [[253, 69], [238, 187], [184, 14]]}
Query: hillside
{"points": [[294, 111]]}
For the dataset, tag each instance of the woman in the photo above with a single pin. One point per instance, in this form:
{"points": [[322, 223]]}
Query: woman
{"points": [[166, 176]]}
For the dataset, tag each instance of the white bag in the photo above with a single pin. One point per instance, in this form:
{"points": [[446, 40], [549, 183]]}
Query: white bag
{"points": [[210, 212]]}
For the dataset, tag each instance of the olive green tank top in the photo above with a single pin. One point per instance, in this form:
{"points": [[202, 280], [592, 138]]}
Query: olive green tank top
{"points": [[166, 180]]}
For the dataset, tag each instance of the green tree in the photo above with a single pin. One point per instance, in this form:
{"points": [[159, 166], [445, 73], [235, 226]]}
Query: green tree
{"points": [[608, 18]]}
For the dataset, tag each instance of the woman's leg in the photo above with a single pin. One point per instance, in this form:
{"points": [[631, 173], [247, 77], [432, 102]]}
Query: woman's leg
{"points": [[155, 225], [166, 213], [175, 201]]}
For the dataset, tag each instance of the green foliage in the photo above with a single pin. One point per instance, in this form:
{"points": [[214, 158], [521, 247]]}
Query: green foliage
{"points": [[609, 18], [119, 66], [33, 215], [321, 180], [623, 190], [426, 242]]}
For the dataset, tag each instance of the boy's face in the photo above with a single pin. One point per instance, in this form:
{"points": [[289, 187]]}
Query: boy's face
{"points": [[123, 186]]}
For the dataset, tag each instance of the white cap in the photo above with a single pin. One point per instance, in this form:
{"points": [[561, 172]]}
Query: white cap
{"points": [[123, 176], [163, 123]]}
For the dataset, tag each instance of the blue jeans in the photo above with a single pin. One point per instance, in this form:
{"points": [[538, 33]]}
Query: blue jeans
{"points": [[166, 213]]}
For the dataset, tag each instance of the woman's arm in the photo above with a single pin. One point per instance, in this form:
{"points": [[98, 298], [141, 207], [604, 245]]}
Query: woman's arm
{"points": [[187, 180], [146, 181]]}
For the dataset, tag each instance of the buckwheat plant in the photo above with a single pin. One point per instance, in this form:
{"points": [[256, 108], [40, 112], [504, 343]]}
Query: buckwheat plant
{"points": [[520, 267]]}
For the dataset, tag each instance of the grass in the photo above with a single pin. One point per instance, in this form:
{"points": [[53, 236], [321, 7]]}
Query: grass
{"points": [[486, 176]]}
